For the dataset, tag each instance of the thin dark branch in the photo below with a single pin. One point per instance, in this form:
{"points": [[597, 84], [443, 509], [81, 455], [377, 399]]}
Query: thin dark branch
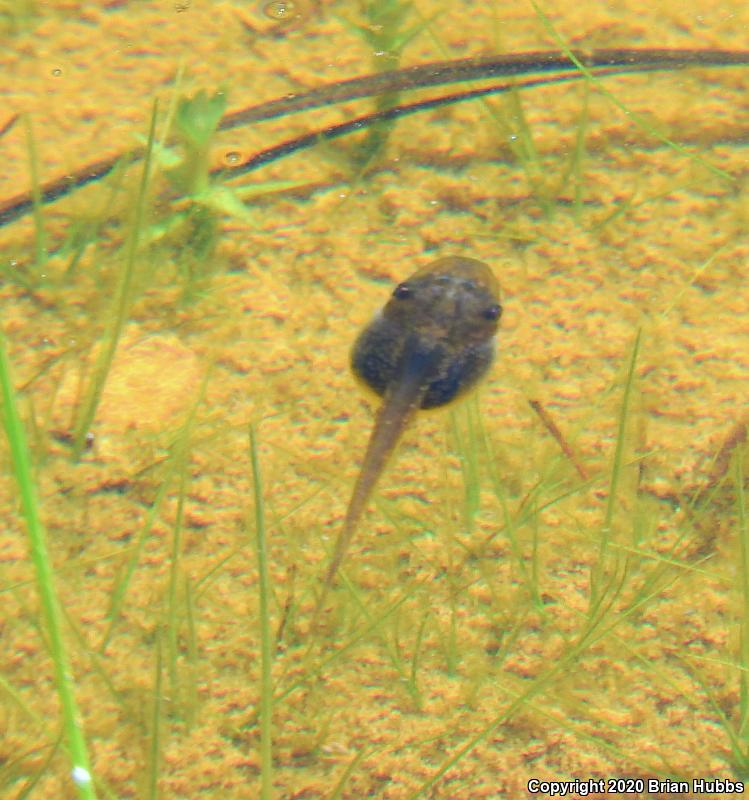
{"points": [[439, 73], [307, 140], [604, 62]]}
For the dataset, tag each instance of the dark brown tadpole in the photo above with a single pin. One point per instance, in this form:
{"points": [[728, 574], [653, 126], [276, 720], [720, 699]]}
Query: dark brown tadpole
{"points": [[432, 341]]}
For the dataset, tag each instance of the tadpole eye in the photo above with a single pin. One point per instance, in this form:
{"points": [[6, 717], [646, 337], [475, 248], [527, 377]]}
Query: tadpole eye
{"points": [[492, 313], [402, 291]]}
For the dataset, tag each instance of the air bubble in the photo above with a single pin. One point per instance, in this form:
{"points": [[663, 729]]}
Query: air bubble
{"points": [[280, 10]]}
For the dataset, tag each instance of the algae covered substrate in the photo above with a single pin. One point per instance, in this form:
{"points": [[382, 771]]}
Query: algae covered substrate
{"points": [[552, 581]]}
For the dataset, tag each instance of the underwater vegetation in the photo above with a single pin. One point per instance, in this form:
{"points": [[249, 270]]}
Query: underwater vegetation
{"points": [[550, 581]]}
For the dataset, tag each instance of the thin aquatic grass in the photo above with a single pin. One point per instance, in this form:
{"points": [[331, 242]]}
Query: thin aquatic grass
{"points": [[363, 753], [176, 463], [413, 676], [699, 271], [193, 655], [264, 621], [617, 466], [452, 659], [586, 638], [86, 232], [743, 532], [637, 118], [537, 686], [737, 730], [42, 769], [374, 625], [514, 129], [45, 580], [579, 730], [736, 744], [315, 668], [529, 512], [173, 618], [627, 204], [37, 208], [383, 29], [523, 145], [17, 699], [125, 574], [97, 664], [463, 433], [172, 621], [610, 609], [154, 755], [391, 648], [121, 301], [577, 157]]}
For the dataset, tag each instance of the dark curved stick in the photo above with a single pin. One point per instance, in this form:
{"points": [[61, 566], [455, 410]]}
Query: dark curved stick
{"points": [[603, 62], [17, 206], [471, 69], [306, 140]]}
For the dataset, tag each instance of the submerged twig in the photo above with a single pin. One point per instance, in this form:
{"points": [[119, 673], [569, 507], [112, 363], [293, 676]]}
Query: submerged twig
{"points": [[722, 461], [601, 62], [439, 73], [564, 445], [8, 124]]}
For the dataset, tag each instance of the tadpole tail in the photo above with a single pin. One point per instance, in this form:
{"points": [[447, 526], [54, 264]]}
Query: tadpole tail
{"points": [[398, 408]]}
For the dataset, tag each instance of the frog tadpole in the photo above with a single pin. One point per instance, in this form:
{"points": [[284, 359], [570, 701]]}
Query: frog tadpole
{"points": [[433, 340]]}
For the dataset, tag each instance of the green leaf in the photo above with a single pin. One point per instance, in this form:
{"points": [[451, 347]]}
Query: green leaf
{"points": [[197, 117]]}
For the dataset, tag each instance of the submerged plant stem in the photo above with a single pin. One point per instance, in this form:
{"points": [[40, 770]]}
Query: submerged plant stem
{"points": [[21, 460], [266, 658], [597, 573], [121, 306], [40, 250]]}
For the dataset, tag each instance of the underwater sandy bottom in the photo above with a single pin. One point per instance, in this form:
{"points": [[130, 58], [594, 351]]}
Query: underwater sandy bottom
{"points": [[482, 583]]}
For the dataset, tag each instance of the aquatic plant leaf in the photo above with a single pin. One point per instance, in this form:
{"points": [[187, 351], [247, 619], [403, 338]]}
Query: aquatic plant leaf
{"points": [[197, 117], [225, 200], [268, 187], [231, 201]]}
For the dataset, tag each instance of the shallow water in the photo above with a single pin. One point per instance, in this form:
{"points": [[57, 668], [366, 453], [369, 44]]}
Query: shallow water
{"points": [[586, 637]]}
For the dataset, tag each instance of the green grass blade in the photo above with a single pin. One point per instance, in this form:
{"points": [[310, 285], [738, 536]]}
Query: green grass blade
{"points": [[40, 238], [122, 583], [154, 749], [617, 466], [21, 459], [266, 656], [120, 307], [744, 638], [638, 119]]}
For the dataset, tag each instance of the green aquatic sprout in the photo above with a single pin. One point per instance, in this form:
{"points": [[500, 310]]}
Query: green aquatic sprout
{"points": [[192, 223], [196, 120], [23, 470]]}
